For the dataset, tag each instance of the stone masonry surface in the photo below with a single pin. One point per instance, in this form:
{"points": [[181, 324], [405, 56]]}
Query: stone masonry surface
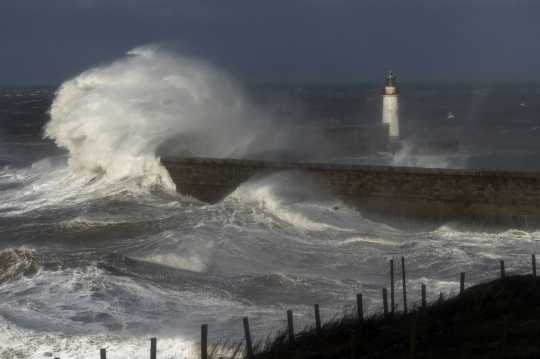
{"points": [[423, 192]]}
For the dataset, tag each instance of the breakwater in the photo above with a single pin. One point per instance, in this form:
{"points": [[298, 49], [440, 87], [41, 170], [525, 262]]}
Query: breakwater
{"points": [[422, 193]]}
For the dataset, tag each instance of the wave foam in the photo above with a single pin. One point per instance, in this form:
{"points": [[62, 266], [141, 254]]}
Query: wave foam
{"points": [[279, 193], [195, 262], [17, 262], [114, 118], [16, 342]]}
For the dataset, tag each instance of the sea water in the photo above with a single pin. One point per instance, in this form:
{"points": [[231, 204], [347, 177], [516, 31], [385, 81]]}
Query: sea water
{"points": [[97, 250]]}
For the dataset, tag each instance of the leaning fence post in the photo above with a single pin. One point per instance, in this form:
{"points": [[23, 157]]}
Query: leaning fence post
{"points": [[462, 285], [153, 348], [385, 302], [414, 336], [503, 274], [392, 306], [360, 308], [423, 296], [103, 353], [204, 341], [404, 286], [291, 326], [318, 320], [248, 338], [534, 269]]}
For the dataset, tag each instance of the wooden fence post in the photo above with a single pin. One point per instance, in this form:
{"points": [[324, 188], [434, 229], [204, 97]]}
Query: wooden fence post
{"points": [[204, 341], [423, 297], [353, 344], [277, 351], [103, 353], [462, 285], [290, 326], [249, 347], [153, 348], [503, 274], [414, 338], [385, 302], [534, 269], [505, 324], [392, 305], [318, 320], [360, 308], [404, 286]]}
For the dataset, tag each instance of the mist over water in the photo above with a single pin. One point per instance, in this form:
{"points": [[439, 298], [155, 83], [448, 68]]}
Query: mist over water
{"points": [[112, 119], [97, 250]]}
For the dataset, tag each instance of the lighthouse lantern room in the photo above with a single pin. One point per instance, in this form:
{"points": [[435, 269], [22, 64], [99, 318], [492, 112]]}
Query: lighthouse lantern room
{"points": [[390, 107]]}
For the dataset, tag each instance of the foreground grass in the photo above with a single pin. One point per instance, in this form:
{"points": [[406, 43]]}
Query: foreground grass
{"points": [[471, 326]]}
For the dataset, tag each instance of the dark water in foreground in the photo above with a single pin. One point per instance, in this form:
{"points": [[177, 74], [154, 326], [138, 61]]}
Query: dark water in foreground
{"points": [[93, 261]]}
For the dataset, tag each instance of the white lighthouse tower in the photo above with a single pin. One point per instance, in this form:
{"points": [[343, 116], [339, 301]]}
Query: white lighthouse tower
{"points": [[390, 107]]}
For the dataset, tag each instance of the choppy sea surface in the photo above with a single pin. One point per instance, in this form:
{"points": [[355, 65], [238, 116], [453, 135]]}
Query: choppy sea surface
{"points": [[91, 260]]}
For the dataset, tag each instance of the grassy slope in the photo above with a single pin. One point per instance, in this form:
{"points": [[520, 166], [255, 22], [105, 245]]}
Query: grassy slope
{"points": [[468, 327]]}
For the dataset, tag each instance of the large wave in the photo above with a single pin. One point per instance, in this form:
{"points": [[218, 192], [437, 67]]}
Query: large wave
{"points": [[113, 119]]}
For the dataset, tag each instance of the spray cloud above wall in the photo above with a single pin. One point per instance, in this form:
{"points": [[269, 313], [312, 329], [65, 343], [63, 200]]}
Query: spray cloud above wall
{"points": [[114, 119]]}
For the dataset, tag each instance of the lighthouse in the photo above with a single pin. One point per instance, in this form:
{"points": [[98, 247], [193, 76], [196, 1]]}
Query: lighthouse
{"points": [[390, 108]]}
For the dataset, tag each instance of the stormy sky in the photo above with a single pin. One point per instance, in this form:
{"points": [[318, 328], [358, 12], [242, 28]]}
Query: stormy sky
{"points": [[300, 41]]}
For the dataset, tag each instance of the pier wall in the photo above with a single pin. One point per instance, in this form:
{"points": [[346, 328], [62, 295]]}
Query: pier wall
{"points": [[442, 194]]}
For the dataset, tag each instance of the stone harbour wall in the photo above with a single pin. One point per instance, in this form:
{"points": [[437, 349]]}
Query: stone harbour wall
{"points": [[499, 197]]}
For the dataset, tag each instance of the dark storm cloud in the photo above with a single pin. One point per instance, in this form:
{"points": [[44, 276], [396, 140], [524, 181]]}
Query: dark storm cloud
{"points": [[279, 41]]}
